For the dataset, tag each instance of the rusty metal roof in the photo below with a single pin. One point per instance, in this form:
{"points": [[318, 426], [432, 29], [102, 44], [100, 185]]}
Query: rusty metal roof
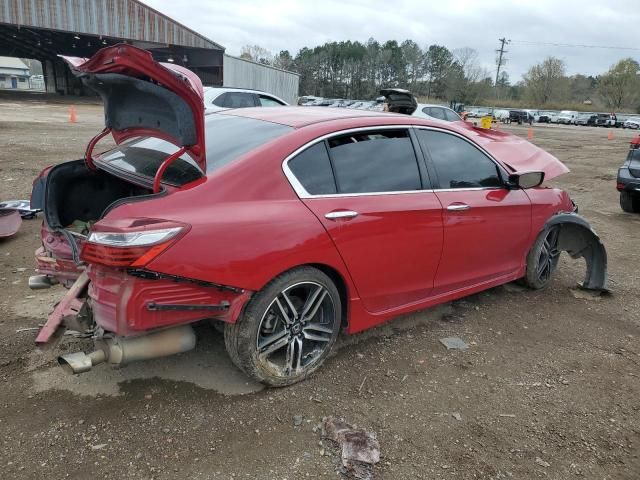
{"points": [[126, 19]]}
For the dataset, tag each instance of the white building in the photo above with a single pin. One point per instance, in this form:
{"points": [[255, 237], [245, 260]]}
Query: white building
{"points": [[14, 73]]}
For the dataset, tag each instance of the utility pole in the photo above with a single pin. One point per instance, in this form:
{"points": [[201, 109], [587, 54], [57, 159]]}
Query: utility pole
{"points": [[501, 60]]}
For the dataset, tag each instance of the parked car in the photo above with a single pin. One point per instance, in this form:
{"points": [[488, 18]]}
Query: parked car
{"points": [[553, 117], [519, 116], [399, 100], [501, 115], [587, 120], [308, 100], [566, 117], [436, 112], [222, 98], [628, 182], [286, 225], [632, 123], [544, 117]]}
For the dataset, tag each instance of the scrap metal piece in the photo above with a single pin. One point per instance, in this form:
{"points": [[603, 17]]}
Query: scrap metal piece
{"points": [[10, 222], [70, 305], [22, 206]]}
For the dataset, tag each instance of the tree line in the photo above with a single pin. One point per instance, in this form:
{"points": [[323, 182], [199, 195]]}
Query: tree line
{"points": [[351, 69]]}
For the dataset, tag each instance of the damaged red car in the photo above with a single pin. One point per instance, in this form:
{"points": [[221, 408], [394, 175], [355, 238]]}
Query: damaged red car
{"points": [[287, 225]]}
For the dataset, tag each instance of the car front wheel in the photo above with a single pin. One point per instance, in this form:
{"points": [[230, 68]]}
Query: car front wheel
{"points": [[288, 328], [629, 202], [542, 259]]}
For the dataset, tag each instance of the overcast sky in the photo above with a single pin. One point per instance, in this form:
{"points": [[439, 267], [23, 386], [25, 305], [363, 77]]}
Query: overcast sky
{"points": [[289, 25]]}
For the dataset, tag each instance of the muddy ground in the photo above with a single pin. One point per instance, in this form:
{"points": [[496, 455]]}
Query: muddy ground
{"points": [[549, 387]]}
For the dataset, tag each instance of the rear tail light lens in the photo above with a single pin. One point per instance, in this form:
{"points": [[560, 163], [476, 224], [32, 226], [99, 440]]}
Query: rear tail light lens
{"points": [[129, 246]]}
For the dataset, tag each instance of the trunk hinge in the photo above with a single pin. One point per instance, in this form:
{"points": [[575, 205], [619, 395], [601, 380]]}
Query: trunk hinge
{"points": [[88, 156], [163, 167]]}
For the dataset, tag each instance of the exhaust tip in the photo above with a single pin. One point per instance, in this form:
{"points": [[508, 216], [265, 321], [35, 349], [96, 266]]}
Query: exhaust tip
{"points": [[78, 362]]}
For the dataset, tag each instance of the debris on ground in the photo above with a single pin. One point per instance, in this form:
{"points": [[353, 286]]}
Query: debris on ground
{"points": [[454, 343], [297, 420], [10, 221], [457, 416], [22, 206], [360, 449]]}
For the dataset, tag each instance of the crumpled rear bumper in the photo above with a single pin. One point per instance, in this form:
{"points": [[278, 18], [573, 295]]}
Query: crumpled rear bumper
{"points": [[126, 304]]}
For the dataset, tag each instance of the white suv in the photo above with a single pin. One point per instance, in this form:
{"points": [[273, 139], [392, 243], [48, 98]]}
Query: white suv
{"points": [[222, 98]]}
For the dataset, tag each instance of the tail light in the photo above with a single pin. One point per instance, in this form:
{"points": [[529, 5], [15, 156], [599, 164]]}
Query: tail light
{"points": [[132, 245]]}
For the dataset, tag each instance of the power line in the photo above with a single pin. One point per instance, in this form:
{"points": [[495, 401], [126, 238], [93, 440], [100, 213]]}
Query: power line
{"points": [[570, 45]]}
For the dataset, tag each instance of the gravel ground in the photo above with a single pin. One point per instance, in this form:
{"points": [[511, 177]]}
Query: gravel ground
{"points": [[548, 389]]}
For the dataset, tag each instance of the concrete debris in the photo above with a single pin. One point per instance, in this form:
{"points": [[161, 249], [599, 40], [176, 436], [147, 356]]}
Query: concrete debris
{"points": [[457, 416], [360, 449], [454, 343], [297, 420], [98, 447]]}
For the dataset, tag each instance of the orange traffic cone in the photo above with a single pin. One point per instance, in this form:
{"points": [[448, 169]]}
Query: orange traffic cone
{"points": [[530, 134], [73, 116], [610, 135]]}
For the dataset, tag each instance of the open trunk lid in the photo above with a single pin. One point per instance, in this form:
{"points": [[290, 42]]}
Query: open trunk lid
{"points": [[143, 97]]}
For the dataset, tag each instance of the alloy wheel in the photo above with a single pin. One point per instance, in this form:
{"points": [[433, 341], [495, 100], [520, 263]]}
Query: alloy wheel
{"points": [[548, 257], [296, 328]]}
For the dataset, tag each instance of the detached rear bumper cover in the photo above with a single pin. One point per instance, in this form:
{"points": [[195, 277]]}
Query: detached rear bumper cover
{"points": [[126, 305], [578, 239]]}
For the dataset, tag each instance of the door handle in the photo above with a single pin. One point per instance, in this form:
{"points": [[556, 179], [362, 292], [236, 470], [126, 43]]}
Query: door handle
{"points": [[458, 207], [341, 214]]}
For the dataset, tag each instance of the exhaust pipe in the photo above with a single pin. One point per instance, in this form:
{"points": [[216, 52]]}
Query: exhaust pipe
{"points": [[40, 282], [119, 351]]}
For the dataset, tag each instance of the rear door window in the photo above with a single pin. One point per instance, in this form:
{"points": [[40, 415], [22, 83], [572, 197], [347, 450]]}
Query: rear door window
{"points": [[312, 168], [450, 115], [374, 161], [457, 162]]}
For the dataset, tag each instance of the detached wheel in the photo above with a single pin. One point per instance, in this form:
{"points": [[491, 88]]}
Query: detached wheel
{"points": [[630, 203], [542, 259], [287, 329]]}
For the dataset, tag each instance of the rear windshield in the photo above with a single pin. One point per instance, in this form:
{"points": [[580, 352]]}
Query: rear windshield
{"points": [[227, 138]]}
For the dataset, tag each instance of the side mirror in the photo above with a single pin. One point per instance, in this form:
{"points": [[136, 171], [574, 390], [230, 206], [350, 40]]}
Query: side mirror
{"points": [[526, 179]]}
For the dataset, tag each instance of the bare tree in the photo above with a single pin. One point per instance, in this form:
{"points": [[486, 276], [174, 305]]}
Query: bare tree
{"points": [[256, 53], [620, 86], [544, 81]]}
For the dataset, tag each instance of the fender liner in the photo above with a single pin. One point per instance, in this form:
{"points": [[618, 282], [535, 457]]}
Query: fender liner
{"points": [[578, 239]]}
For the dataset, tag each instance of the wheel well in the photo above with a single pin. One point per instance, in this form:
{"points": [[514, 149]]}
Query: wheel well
{"points": [[340, 284]]}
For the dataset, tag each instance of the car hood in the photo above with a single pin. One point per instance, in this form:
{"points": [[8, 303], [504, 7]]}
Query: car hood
{"points": [[515, 153], [145, 97]]}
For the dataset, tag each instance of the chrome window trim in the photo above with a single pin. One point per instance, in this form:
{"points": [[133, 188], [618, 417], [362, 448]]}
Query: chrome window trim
{"points": [[303, 194]]}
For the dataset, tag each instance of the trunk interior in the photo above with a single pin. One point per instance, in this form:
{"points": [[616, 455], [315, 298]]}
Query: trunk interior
{"points": [[76, 195]]}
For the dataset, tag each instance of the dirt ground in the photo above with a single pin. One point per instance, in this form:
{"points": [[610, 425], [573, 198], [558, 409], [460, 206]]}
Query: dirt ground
{"points": [[549, 387]]}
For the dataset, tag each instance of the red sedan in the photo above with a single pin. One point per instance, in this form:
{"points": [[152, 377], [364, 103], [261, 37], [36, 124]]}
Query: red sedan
{"points": [[287, 224]]}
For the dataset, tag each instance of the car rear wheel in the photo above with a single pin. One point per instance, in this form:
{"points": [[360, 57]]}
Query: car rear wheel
{"points": [[543, 258], [287, 329], [629, 202]]}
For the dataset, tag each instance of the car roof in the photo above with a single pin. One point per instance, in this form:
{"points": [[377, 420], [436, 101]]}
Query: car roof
{"points": [[423, 105], [298, 117]]}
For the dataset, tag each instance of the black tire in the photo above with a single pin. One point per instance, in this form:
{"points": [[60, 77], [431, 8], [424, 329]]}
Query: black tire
{"points": [[242, 338], [542, 259], [629, 202]]}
